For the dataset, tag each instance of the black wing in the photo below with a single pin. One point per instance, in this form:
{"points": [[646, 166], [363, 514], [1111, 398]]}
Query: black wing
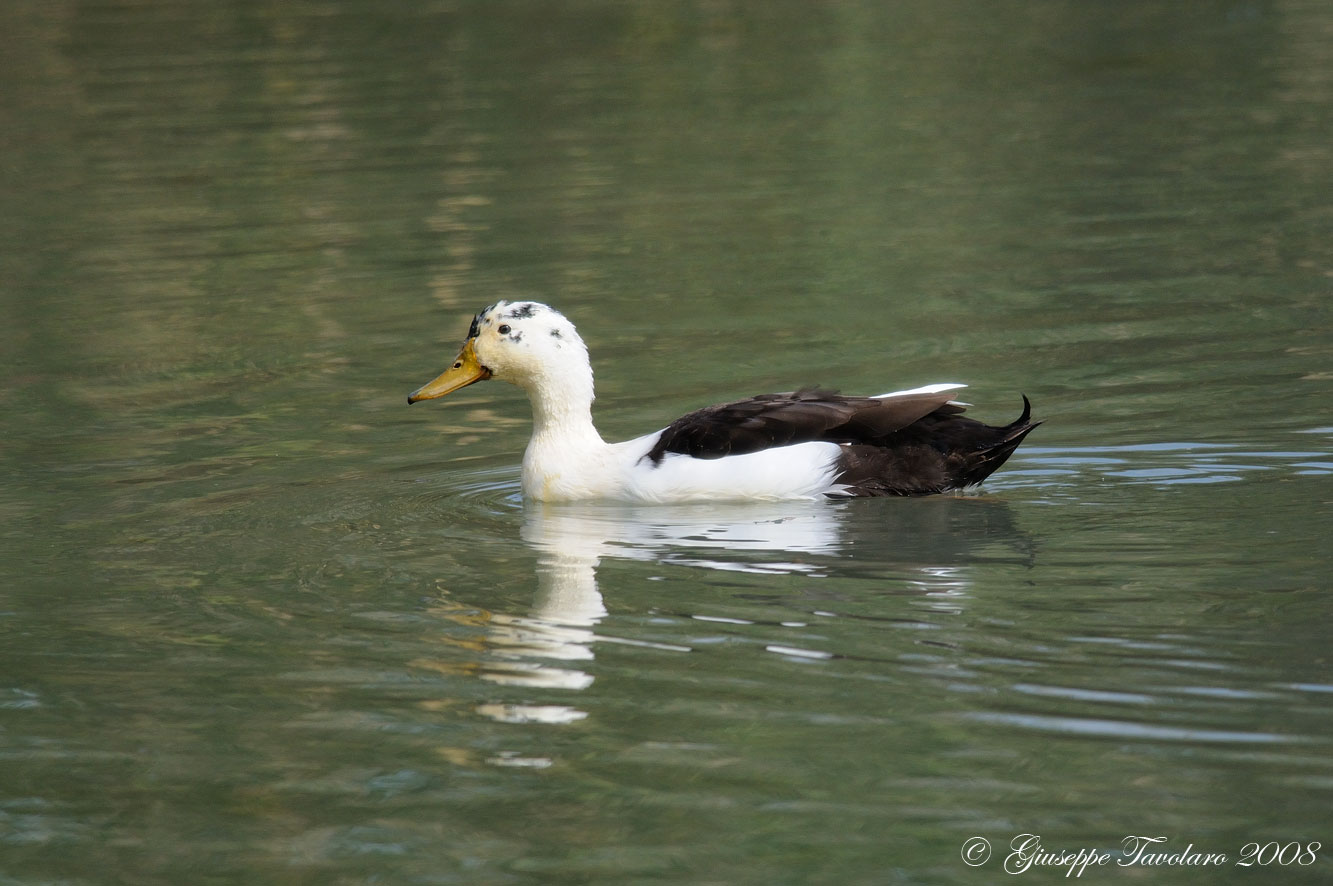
{"points": [[938, 453], [796, 417]]}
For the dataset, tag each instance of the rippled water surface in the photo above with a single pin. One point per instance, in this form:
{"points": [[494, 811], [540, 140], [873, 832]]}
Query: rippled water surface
{"points": [[263, 623]]}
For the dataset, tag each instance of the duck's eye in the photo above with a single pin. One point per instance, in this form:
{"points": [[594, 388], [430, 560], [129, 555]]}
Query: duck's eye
{"points": [[504, 329], [458, 365]]}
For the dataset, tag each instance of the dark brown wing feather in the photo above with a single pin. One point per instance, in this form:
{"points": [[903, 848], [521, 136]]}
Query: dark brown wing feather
{"points": [[915, 444], [797, 417], [935, 454]]}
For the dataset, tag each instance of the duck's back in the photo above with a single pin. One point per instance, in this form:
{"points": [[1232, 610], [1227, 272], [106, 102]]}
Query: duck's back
{"points": [[912, 442]]}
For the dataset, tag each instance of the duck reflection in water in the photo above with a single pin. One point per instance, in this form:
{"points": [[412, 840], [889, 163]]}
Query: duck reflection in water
{"points": [[542, 648], [933, 540]]}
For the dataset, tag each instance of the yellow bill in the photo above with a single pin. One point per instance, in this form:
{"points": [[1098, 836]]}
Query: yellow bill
{"points": [[464, 372]]}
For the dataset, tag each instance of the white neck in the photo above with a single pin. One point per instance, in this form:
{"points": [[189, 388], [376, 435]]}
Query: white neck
{"points": [[562, 405], [565, 451]]}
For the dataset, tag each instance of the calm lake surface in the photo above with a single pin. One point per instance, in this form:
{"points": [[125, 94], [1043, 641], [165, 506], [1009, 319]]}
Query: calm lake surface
{"points": [[260, 622]]}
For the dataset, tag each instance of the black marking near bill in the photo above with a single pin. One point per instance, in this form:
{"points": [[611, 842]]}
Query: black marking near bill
{"points": [[475, 329]]}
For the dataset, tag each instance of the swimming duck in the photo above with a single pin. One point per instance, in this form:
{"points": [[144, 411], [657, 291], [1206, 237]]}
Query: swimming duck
{"points": [[803, 444]]}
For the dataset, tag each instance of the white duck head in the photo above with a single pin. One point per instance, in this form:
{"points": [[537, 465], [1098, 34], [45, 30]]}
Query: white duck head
{"points": [[527, 344]]}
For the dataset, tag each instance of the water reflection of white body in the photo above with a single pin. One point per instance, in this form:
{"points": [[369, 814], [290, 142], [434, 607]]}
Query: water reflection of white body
{"points": [[542, 648], [697, 534], [929, 544]]}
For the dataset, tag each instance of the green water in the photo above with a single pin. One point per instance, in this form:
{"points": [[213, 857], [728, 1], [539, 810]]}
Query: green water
{"points": [[260, 622]]}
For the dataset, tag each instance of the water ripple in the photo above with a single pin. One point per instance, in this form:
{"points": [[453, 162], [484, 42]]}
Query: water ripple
{"points": [[1161, 464], [1123, 729]]}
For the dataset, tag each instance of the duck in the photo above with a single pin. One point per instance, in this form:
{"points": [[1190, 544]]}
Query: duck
{"points": [[806, 444]]}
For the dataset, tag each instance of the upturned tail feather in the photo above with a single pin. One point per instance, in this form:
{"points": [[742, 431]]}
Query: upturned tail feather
{"points": [[941, 452]]}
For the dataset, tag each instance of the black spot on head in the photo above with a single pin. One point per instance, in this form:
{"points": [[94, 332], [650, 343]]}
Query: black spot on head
{"points": [[476, 321], [516, 337], [555, 333], [522, 311]]}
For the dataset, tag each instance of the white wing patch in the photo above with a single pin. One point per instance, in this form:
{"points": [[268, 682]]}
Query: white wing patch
{"points": [[924, 389]]}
